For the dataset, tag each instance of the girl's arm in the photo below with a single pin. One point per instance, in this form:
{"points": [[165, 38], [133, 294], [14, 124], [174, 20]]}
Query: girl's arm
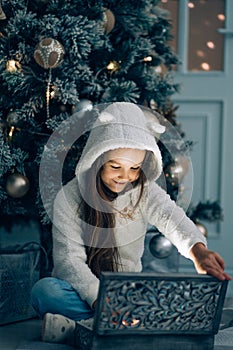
{"points": [[172, 221], [209, 262], [69, 253]]}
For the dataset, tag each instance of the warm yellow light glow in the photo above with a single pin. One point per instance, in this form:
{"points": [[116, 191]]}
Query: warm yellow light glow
{"points": [[147, 59], [221, 17], [210, 44], [200, 53], [191, 5], [12, 66], [134, 322], [11, 131], [113, 65], [205, 66], [158, 69], [52, 94]]}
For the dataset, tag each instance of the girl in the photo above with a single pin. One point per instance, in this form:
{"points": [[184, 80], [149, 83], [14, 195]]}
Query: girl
{"points": [[101, 217]]}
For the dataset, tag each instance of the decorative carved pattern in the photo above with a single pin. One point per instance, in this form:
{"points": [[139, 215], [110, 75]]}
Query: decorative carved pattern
{"points": [[179, 306]]}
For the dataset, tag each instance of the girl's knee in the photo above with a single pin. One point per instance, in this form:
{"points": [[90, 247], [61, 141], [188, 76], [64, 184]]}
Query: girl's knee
{"points": [[42, 286], [46, 292]]}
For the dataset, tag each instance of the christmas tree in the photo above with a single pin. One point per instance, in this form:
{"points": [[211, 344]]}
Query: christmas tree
{"points": [[59, 58]]}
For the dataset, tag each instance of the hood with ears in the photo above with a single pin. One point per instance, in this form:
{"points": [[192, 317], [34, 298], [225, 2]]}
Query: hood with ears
{"points": [[121, 125]]}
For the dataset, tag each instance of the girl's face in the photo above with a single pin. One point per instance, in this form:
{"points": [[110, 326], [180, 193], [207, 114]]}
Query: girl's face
{"points": [[121, 167]]}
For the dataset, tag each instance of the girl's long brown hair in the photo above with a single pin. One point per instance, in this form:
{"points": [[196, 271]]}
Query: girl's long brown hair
{"points": [[102, 252]]}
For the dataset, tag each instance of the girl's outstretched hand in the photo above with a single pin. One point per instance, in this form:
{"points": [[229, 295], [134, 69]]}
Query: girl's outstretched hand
{"points": [[208, 262]]}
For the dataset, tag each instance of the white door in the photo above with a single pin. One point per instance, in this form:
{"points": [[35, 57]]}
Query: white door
{"points": [[203, 32]]}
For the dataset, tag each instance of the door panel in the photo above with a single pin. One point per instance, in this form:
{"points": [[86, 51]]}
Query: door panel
{"points": [[206, 116], [202, 122]]}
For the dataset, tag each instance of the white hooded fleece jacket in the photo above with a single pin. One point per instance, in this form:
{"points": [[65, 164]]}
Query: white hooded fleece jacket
{"points": [[120, 125]]}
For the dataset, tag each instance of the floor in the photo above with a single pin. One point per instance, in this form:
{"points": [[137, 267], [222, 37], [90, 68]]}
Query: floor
{"points": [[25, 335], [12, 335]]}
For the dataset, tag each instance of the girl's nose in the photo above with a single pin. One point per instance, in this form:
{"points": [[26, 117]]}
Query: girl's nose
{"points": [[124, 175]]}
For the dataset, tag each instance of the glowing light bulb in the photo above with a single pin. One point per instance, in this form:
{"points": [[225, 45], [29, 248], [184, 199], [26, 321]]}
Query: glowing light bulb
{"points": [[11, 132], [210, 44], [52, 94], [205, 66], [191, 5], [11, 66], [147, 59], [112, 66], [221, 17], [200, 53]]}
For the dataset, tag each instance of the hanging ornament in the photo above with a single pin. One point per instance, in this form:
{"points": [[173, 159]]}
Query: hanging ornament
{"points": [[160, 247], [176, 171], [83, 105], [12, 121], [108, 21], [49, 53], [17, 185], [12, 118], [2, 14], [201, 228]]}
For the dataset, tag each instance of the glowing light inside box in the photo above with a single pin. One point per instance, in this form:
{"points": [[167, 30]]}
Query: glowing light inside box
{"points": [[133, 323]]}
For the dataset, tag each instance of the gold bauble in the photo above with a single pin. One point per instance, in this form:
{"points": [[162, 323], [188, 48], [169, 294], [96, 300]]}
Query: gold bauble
{"points": [[49, 53], [17, 185], [109, 21]]}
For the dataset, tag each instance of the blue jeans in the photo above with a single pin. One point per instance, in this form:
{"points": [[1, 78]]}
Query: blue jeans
{"points": [[56, 296]]}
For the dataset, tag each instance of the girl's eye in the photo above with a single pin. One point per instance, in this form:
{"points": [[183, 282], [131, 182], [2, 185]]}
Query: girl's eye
{"points": [[137, 168], [115, 167]]}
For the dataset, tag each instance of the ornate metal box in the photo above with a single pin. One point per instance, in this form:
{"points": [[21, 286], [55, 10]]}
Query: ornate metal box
{"points": [[154, 311]]}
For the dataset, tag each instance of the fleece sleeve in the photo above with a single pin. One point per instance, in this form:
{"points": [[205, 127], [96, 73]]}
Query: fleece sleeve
{"points": [[171, 220], [69, 255]]}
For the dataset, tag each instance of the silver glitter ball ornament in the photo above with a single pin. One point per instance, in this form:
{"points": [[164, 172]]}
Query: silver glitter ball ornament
{"points": [[160, 247]]}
